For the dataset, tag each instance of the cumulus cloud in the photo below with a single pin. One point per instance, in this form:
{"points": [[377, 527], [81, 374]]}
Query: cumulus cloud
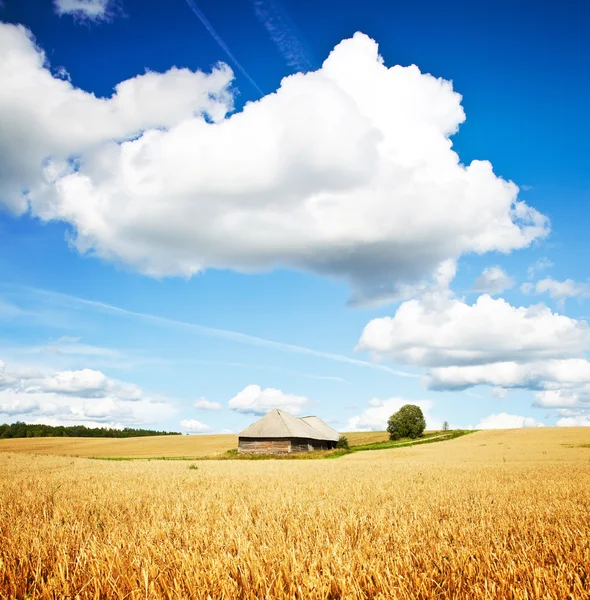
{"points": [[535, 375], [45, 141], [256, 401], [204, 404], [578, 397], [506, 421], [493, 280], [374, 418], [347, 171], [439, 331], [559, 290], [84, 396], [92, 10], [489, 342], [194, 426]]}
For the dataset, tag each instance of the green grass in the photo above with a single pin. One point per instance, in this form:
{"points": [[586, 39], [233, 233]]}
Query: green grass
{"points": [[404, 442]]}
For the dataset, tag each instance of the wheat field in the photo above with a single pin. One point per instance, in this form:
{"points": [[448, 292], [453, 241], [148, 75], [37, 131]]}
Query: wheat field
{"points": [[502, 514], [169, 446]]}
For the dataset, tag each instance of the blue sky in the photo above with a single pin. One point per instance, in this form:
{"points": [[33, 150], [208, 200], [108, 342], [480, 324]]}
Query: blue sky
{"points": [[211, 240]]}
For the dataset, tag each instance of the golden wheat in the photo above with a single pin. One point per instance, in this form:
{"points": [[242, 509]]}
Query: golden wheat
{"points": [[141, 447], [492, 515]]}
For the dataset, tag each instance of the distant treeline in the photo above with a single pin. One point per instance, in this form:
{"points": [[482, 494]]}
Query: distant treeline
{"points": [[22, 430]]}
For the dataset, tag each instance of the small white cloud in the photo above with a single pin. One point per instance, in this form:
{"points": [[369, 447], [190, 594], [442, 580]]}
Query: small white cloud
{"points": [[194, 426], [256, 401], [62, 73], [542, 264], [204, 404], [506, 421], [493, 281], [499, 392], [68, 339], [562, 289], [91, 10]]}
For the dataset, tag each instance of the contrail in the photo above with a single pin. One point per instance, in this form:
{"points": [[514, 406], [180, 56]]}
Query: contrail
{"points": [[204, 330], [276, 22], [221, 43]]}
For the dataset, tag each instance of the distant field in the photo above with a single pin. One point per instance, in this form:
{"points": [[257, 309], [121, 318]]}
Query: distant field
{"points": [[141, 447], [147, 447], [491, 515], [358, 438]]}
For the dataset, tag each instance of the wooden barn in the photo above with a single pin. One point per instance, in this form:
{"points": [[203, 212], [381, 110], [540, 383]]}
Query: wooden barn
{"points": [[278, 432]]}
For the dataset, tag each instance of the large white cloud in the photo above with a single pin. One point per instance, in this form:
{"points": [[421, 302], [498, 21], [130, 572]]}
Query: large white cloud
{"points": [[347, 171], [40, 141], [85, 396], [257, 401], [375, 417]]}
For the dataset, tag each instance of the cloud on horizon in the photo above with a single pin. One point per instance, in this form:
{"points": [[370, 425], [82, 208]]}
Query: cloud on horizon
{"points": [[86, 396]]}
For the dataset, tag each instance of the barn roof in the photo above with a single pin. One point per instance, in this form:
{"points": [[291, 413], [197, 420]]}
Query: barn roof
{"points": [[280, 424], [323, 428]]}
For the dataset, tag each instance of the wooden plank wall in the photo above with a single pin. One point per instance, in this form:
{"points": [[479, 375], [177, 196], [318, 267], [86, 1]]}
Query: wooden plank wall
{"points": [[264, 446], [281, 445], [300, 445]]}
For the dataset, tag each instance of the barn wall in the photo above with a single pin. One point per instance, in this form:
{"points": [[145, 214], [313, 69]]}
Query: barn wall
{"points": [[308, 445], [300, 445], [281, 445], [264, 445]]}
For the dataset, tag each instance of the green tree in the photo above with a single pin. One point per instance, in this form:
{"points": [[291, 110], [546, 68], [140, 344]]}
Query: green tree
{"points": [[408, 421], [446, 426]]}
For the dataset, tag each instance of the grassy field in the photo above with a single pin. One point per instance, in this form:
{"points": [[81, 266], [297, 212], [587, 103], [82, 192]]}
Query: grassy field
{"points": [[498, 514]]}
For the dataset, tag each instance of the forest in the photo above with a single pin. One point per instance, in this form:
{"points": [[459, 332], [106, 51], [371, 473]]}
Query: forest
{"points": [[24, 430]]}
